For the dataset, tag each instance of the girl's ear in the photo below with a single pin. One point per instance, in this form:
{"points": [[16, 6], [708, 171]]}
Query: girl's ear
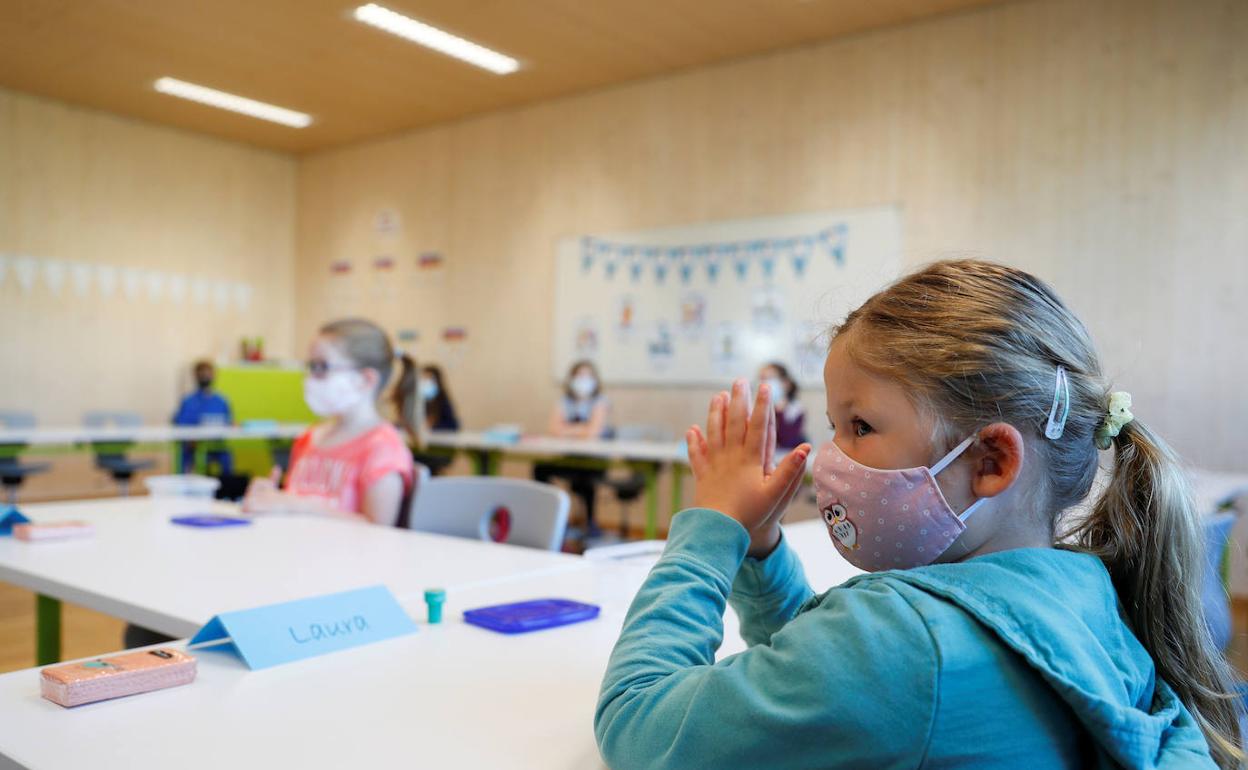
{"points": [[999, 459], [371, 377]]}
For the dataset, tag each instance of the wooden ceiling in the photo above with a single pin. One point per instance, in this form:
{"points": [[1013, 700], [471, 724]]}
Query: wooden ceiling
{"points": [[359, 82]]}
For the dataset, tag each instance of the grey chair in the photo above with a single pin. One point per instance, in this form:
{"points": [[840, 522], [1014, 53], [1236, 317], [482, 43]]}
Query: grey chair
{"points": [[110, 456], [513, 511], [14, 472]]}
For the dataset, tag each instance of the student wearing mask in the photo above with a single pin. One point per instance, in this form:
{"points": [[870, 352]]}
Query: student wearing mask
{"points": [[204, 407], [355, 464], [439, 415], [790, 414], [583, 412]]}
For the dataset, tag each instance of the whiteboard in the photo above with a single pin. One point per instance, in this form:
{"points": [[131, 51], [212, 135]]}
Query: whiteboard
{"points": [[702, 303]]}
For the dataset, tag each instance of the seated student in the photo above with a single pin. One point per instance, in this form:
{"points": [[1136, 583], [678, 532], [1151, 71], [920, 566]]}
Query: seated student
{"points": [[354, 464], [790, 414], [582, 412], [439, 410], [985, 640], [204, 407], [439, 415]]}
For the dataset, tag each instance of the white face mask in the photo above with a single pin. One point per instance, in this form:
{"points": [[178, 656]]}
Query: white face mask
{"points": [[338, 392], [428, 389], [584, 385]]}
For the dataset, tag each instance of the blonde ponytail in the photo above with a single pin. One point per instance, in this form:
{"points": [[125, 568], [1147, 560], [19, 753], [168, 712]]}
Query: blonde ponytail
{"points": [[1146, 530]]}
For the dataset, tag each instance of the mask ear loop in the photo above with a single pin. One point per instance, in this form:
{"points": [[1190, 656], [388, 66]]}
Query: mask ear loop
{"points": [[1061, 396]]}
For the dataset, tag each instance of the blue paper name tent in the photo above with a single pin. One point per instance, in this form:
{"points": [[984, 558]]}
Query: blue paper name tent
{"points": [[10, 519], [290, 631]]}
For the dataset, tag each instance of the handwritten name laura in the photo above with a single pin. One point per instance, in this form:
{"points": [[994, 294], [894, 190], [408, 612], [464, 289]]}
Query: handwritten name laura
{"points": [[317, 631]]}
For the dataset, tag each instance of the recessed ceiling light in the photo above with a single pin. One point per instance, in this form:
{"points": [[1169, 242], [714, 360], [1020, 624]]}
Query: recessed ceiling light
{"points": [[221, 99], [432, 37]]}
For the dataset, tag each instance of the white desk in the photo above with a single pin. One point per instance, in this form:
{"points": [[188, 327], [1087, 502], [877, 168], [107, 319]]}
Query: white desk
{"points": [[146, 434], [646, 457], [451, 696], [141, 568]]}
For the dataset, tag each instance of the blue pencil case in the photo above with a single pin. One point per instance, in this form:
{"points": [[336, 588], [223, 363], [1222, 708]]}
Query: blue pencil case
{"points": [[209, 520], [534, 615]]}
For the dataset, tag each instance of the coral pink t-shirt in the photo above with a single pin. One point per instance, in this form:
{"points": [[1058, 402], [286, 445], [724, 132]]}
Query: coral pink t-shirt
{"points": [[343, 473]]}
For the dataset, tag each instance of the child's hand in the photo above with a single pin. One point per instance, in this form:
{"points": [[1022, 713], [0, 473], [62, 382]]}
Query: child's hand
{"points": [[264, 496], [733, 465]]}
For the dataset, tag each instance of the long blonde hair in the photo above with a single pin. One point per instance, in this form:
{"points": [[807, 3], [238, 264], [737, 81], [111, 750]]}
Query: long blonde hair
{"points": [[977, 343]]}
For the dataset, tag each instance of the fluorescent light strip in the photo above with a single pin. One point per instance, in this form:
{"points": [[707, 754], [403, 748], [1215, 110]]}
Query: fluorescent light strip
{"points": [[432, 37], [221, 99]]}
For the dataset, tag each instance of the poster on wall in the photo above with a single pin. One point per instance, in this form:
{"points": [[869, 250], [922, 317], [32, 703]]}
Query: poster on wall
{"points": [[693, 304], [387, 222], [660, 347], [692, 314], [586, 343]]}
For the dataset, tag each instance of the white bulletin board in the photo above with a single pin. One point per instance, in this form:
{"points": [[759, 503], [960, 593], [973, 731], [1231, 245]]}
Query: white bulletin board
{"points": [[698, 304]]}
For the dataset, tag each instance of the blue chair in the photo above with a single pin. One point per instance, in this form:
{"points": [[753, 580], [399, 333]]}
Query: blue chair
{"points": [[13, 472], [110, 456], [1213, 589]]}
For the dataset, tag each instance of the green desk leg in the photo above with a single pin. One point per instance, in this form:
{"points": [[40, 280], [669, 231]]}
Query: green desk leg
{"points": [[47, 630], [678, 488], [175, 457], [650, 471], [484, 462]]}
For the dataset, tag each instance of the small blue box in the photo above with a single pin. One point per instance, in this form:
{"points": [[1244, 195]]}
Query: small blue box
{"points": [[534, 615]]}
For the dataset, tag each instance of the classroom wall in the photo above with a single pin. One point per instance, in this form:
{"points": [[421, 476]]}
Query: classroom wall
{"points": [[84, 186], [1097, 143], [78, 185]]}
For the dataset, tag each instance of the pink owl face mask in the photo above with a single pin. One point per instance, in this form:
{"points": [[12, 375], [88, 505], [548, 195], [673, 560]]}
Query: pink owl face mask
{"points": [[886, 519]]}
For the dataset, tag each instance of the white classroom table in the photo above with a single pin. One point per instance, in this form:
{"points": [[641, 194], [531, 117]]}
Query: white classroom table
{"points": [[646, 457], [146, 434], [449, 696], [142, 569]]}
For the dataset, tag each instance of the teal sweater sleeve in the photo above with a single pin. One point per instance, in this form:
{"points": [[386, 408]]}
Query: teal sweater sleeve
{"points": [[850, 680], [767, 593]]}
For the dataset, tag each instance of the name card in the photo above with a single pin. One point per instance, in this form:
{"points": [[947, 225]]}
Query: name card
{"points": [[290, 631]]}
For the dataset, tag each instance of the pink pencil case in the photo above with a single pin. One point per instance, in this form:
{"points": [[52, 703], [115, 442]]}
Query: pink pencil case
{"points": [[73, 684], [55, 530]]}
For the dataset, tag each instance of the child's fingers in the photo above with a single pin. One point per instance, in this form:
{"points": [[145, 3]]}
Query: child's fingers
{"points": [[738, 414], [792, 466], [769, 449], [697, 451], [791, 492], [756, 437], [715, 422], [275, 475]]}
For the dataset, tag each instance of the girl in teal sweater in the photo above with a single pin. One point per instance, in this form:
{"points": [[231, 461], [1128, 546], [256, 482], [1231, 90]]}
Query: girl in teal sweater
{"points": [[966, 388]]}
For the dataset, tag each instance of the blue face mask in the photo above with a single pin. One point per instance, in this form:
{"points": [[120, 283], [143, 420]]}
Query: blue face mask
{"points": [[428, 389]]}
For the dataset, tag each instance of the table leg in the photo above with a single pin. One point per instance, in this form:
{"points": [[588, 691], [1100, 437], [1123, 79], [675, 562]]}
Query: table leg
{"points": [[650, 471], [678, 488], [47, 630]]}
